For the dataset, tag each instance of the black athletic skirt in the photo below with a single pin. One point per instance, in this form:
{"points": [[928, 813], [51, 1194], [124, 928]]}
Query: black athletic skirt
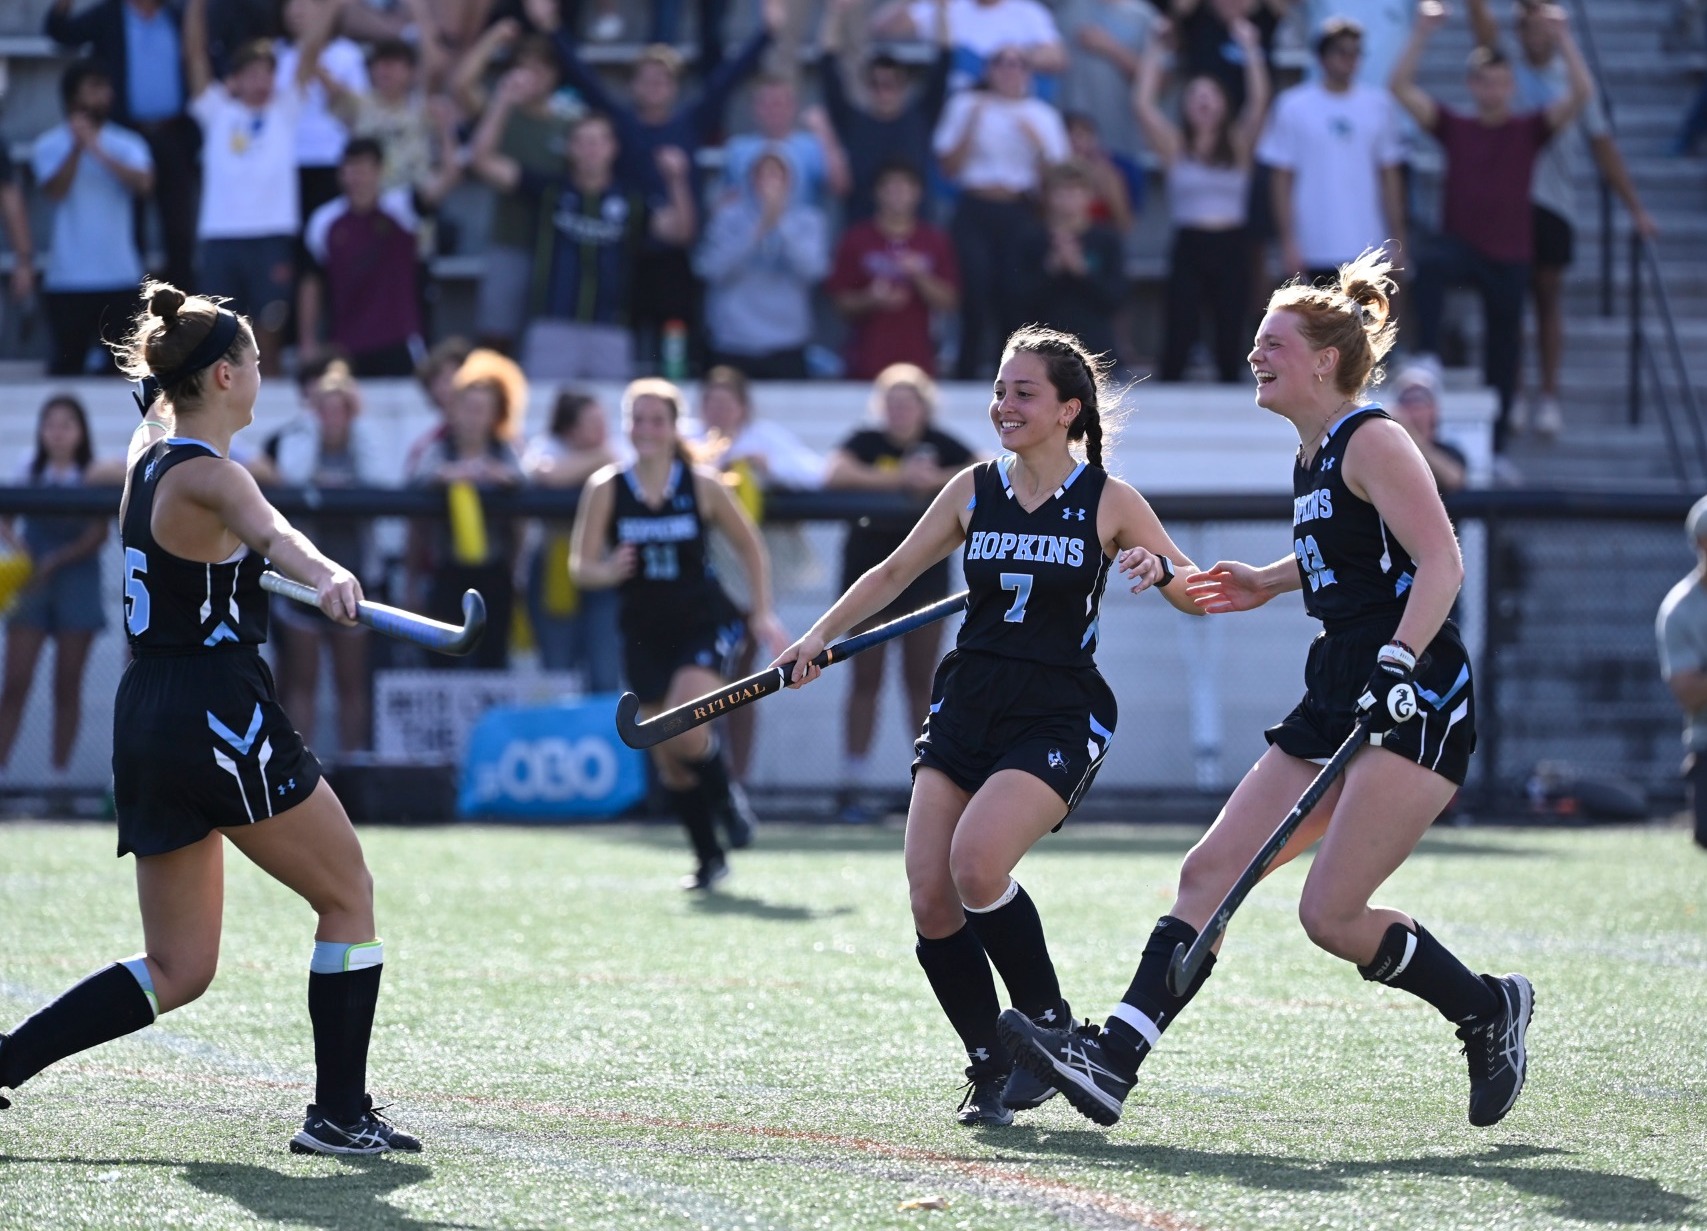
{"points": [[654, 651], [990, 713], [1440, 738], [200, 742]]}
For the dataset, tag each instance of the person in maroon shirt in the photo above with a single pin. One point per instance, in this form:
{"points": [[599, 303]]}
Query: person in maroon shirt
{"points": [[890, 274], [1486, 236]]}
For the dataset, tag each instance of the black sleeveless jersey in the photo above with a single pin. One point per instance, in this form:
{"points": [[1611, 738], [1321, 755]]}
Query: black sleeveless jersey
{"points": [[1036, 579], [1352, 567], [174, 605], [673, 581]]}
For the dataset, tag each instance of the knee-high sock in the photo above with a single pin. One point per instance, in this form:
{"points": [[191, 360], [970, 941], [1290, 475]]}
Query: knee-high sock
{"points": [[1417, 963], [1149, 1007], [112, 1002], [693, 808], [343, 988], [1012, 935], [713, 775], [960, 976]]}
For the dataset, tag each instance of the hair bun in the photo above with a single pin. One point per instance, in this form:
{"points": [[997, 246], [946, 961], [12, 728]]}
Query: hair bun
{"points": [[165, 303]]}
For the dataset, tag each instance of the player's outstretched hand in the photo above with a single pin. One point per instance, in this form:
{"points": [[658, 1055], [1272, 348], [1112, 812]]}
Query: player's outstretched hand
{"points": [[1143, 568], [338, 593], [797, 659], [1227, 585]]}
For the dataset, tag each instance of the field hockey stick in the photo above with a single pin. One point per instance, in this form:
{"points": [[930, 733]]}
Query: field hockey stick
{"points": [[701, 710], [1182, 970], [395, 622]]}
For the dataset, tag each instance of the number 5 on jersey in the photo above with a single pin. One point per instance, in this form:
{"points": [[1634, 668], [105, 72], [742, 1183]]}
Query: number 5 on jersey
{"points": [[135, 591], [1315, 568]]}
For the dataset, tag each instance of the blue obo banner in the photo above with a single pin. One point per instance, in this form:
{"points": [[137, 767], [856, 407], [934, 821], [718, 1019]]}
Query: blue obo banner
{"points": [[551, 761]]}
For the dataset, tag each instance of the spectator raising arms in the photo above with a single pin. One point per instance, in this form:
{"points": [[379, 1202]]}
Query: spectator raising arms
{"points": [[1080, 281], [892, 126], [249, 212], [1104, 40], [1487, 229], [1207, 158], [62, 598], [977, 30], [91, 170], [364, 245], [1543, 77], [591, 223], [1209, 44], [534, 135], [139, 44], [762, 255], [994, 144], [891, 273], [820, 168], [1337, 157]]}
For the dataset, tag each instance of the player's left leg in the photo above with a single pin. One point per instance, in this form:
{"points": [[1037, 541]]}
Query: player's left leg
{"points": [[691, 768], [181, 894], [1387, 804], [313, 849]]}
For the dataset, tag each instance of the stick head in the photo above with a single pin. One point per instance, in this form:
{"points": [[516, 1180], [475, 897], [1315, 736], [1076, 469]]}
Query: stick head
{"points": [[1178, 979], [473, 620], [627, 729]]}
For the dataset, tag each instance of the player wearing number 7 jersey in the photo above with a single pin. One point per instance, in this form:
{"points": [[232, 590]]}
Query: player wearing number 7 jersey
{"points": [[202, 752], [1375, 556], [1020, 717], [642, 529]]}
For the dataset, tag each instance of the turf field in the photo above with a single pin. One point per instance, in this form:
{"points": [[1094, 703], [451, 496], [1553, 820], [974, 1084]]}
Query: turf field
{"points": [[581, 1045]]}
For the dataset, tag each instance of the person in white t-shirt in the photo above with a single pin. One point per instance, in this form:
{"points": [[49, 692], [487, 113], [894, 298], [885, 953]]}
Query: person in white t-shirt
{"points": [[250, 211], [995, 144], [1336, 157], [977, 29], [1386, 26]]}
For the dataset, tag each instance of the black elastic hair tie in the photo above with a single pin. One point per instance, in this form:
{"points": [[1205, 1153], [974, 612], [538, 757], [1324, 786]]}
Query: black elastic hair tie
{"points": [[207, 352]]}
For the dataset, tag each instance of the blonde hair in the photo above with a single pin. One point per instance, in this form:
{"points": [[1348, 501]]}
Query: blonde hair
{"points": [[338, 379], [904, 376], [1355, 317], [499, 373], [167, 331]]}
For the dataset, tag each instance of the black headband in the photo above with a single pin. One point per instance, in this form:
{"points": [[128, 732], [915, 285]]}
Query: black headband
{"points": [[207, 352]]}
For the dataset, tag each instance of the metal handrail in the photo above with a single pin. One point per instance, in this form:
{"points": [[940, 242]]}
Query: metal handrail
{"points": [[1591, 54], [1646, 277]]}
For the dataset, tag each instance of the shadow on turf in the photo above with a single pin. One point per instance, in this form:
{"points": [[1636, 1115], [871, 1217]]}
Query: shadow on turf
{"points": [[722, 903], [354, 1195], [1576, 1193]]}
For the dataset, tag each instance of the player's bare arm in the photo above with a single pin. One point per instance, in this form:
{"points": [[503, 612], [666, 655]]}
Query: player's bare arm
{"points": [[592, 564], [1142, 549], [729, 517]]}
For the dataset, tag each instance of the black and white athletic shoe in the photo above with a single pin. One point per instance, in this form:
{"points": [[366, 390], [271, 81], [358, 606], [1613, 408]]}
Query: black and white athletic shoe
{"points": [[1070, 1060], [371, 1134], [706, 877], [4, 1101], [982, 1107], [1024, 1090], [1497, 1052], [738, 819]]}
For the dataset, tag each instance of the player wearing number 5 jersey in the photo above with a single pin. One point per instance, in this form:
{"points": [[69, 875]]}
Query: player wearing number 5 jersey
{"points": [[201, 750], [1377, 561], [1020, 718], [642, 529]]}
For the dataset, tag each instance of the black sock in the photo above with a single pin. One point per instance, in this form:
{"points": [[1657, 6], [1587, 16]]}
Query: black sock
{"points": [[1149, 1007], [693, 809], [960, 976], [1417, 963], [713, 777], [341, 1008], [107, 1005], [1012, 936]]}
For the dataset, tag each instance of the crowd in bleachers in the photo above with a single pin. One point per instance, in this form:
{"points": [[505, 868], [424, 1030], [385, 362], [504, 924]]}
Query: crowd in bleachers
{"points": [[302, 156]]}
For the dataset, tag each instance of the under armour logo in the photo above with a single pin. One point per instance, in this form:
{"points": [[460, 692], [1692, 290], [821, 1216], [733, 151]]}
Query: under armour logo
{"points": [[1328, 465], [979, 1053], [1067, 514], [1048, 1015], [286, 786], [148, 472]]}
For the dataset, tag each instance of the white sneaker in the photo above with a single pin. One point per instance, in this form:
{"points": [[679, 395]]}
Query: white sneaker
{"points": [[1517, 421], [1549, 422]]}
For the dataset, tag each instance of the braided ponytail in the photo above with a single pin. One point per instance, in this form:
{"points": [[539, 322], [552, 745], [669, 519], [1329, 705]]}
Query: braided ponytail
{"points": [[1075, 373]]}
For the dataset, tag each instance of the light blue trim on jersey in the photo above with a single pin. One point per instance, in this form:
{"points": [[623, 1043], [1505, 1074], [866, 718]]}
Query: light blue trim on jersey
{"points": [[1006, 460], [240, 742], [1098, 729], [670, 484], [138, 967], [191, 440], [1440, 703]]}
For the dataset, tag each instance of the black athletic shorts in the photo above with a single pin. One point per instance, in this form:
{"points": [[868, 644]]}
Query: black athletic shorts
{"points": [[200, 742], [1555, 238], [1440, 738], [652, 655], [990, 713]]}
